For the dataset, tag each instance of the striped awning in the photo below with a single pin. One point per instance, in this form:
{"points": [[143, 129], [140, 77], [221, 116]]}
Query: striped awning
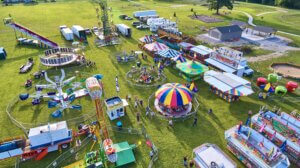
{"points": [[168, 53], [156, 46]]}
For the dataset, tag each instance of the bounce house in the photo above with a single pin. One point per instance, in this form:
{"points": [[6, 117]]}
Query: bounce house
{"points": [[283, 130], [291, 86], [253, 149], [3, 53]]}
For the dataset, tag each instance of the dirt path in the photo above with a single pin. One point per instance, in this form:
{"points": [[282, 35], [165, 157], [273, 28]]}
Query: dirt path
{"points": [[269, 56], [264, 13]]}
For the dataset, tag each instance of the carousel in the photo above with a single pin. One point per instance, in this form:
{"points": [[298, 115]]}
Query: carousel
{"points": [[173, 100], [191, 70]]}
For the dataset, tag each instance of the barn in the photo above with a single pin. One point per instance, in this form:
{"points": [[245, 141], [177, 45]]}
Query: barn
{"points": [[226, 33]]}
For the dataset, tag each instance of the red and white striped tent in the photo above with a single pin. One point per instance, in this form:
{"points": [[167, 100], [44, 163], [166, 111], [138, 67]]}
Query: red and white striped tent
{"points": [[154, 47]]}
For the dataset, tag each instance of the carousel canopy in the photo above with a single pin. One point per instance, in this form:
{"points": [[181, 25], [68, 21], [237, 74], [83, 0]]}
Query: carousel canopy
{"points": [[192, 68], [173, 95], [168, 53], [156, 46]]}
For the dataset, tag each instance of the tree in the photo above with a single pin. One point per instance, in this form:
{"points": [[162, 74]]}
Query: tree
{"points": [[218, 4]]}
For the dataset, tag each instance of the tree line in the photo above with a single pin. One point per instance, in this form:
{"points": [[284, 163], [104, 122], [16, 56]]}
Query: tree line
{"points": [[295, 4]]}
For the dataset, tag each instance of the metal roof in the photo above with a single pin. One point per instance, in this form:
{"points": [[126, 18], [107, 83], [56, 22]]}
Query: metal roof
{"points": [[229, 29], [200, 49], [265, 29]]}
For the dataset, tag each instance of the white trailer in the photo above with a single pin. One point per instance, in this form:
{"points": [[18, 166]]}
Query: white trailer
{"points": [[144, 13], [79, 32], [124, 30], [67, 33]]}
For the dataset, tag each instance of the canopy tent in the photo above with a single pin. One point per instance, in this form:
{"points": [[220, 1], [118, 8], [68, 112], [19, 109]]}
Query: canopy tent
{"points": [[192, 69], [147, 39], [227, 85], [173, 95], [155, 46], [185, 46], [168, 53], [179, 59]]}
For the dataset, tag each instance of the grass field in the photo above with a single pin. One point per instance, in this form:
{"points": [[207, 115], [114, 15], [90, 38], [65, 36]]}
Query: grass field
{"points": [[173, 144]]}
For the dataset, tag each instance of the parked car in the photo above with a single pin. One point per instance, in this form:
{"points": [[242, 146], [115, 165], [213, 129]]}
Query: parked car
{"points": [[135, 24], [125, 17], [142, 26], [27, 67], [248, 71]]}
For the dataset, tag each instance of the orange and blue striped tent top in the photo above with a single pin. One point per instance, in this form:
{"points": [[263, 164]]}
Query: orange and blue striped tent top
{"points": [[173, 95]]}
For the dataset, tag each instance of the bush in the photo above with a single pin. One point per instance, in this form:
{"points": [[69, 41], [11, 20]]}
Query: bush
{"points": [[246, 49]]}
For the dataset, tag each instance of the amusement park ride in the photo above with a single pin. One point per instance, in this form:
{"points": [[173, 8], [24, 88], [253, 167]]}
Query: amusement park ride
{"points": [[107, 35], [94, 87], [60, 99]]}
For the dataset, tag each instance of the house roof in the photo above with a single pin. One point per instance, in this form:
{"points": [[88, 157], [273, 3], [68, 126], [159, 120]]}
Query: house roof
{"points": [[229, 29], [265, 29], [239, 23]]}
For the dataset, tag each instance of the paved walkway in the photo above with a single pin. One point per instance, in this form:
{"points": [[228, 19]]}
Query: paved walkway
{"points": [[250, 22]]}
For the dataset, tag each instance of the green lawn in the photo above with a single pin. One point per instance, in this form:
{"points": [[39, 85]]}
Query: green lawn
{"points": [[173, 144], [256, 52]]}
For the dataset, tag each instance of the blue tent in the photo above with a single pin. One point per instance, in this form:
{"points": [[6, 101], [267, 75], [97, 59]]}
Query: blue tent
{"points": [[2, 53], [169, 53]]}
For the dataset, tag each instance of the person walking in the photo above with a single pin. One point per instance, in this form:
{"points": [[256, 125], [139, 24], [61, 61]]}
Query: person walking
{"points": [[191, 164], [141, 102], [195, 121], [138, 117], [210, 111], [185, 162], [171, 123], [135, 104]]}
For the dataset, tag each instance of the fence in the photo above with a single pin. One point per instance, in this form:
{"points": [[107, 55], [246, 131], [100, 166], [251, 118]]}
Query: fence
{"points": [[69, 153], [142, 131], [26, 126], [164, 78]]}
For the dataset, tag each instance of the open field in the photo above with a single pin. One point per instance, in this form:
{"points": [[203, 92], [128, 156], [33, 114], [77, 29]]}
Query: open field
{"points": [[173, 143]]}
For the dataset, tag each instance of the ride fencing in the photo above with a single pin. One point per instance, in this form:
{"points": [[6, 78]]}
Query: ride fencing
{"points": [[26, 126], [72, 151]]}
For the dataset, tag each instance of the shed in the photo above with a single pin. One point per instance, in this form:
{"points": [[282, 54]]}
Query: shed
{"points": [[265, 30], [3, 53], [226, 33], [200, 53], [115, 107]]}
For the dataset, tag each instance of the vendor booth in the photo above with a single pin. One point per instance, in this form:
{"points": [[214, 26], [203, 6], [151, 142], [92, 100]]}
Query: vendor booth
{"points": [[115, 107], [228, 86], [191, 70], [154, 47], [199, 53]]}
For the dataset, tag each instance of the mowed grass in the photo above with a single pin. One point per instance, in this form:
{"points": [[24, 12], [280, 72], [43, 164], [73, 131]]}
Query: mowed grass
{"points": [[173, 143]]}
